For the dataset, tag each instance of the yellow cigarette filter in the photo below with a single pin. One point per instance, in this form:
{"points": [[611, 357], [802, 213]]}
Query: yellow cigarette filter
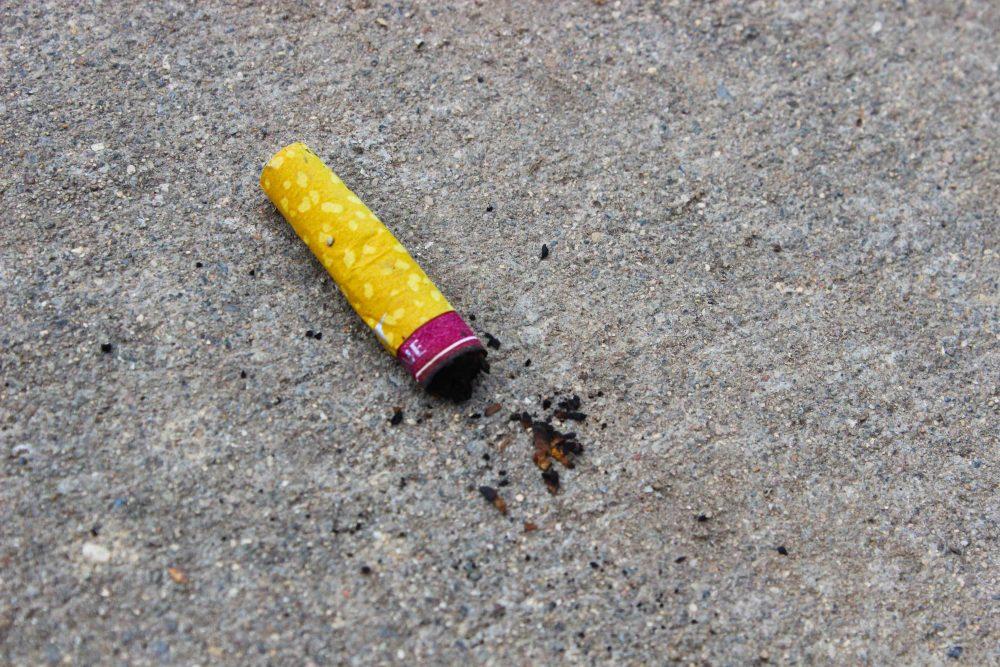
{"points": [[376, 274]]}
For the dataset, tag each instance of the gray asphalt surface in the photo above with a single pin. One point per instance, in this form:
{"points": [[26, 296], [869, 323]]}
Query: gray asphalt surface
{"points": [[774, 283]]}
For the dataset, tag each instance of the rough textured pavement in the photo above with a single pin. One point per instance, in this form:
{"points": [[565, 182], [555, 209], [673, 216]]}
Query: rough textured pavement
{"points": [[774, 252]]}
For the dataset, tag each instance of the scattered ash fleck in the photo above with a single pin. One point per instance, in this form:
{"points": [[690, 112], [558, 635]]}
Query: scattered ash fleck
{"points": [[569, 409], [782, 550], [523, 417], [545, 251], [569, 404], [397, 417], [550, 444], [551, 479], [106, 348], [492, 497], [365, 570], [491, 341]]}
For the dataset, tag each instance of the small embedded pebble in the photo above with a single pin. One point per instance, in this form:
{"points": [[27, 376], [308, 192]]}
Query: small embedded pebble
{"points": [[397, 417], [106, 348], [782, 550], [545, 251], [177, 575], [491, 341], [96, 553]]}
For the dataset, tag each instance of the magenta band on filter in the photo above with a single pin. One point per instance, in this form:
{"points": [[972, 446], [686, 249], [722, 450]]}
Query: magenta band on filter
{"points": [[435, 343]]}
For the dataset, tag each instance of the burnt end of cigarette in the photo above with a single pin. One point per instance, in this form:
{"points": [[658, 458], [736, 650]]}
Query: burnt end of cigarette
{"points": [[445, 356], [455, 379]]}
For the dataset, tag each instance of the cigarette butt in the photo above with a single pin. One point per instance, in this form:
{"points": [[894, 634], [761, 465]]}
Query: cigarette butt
{"points": [[379, 278]]}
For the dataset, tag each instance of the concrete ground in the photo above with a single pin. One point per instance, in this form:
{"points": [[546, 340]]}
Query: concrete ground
{"points": [[774, 283]]}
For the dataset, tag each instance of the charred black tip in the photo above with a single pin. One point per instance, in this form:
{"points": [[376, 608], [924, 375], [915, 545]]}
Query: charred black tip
{"points": [[455, 380]]}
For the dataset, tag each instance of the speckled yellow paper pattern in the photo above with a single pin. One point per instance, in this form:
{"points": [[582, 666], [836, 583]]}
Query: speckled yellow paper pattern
{"points": [[383, 284]]}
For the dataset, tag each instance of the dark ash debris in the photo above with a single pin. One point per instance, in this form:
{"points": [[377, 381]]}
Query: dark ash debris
{"points": [[494, 498]]}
